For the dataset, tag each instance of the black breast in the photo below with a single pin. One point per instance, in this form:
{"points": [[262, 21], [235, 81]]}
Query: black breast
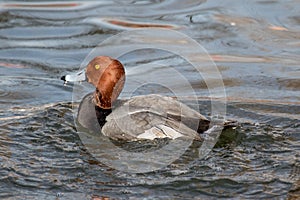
{"points": [[101, 115], [91, 117]]}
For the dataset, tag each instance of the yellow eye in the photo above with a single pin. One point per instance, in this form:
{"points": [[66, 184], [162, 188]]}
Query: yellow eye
{"points": [[97, 66]]}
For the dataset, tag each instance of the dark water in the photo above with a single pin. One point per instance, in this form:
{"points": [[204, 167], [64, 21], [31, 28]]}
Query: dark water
{"points": [[255, 46]]}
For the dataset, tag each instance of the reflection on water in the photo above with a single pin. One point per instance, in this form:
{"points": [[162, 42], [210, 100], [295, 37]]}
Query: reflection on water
{"points": [[257, 53]]}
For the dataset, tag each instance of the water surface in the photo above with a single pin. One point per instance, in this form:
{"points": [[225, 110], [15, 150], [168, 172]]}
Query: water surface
{"points": [[255, 46]]}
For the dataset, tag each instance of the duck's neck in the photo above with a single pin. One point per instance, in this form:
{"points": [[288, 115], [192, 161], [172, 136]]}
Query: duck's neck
{"points": [[102, 101], [102, 107]]}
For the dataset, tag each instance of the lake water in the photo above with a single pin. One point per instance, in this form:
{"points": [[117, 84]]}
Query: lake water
{"points": [[255, 48]]}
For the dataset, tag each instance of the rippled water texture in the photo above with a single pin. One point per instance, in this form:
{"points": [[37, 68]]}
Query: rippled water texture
{"points": [[255, 45]]}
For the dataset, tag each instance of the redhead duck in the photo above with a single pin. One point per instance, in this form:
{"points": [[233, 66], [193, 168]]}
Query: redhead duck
{"points": [[141, 117]]}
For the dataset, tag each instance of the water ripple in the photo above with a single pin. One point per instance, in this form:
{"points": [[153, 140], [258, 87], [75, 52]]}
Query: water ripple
{"points": [[255, 46]]}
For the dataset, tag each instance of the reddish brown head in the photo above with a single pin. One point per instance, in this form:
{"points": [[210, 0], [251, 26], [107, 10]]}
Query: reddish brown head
{"points": [[108, 76]]}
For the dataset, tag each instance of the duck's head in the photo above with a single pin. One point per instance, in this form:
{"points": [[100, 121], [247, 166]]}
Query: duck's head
{"points": [[107, 75]]}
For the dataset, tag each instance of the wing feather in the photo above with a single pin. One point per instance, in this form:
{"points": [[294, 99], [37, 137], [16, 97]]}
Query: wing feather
{"points": [[150, 117]]}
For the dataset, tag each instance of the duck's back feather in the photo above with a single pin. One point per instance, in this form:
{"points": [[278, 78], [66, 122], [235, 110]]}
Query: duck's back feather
{"points": [[154, 116]]}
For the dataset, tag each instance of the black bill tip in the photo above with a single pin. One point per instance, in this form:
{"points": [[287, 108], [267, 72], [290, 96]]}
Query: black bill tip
{"points": [[63, 78]]}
